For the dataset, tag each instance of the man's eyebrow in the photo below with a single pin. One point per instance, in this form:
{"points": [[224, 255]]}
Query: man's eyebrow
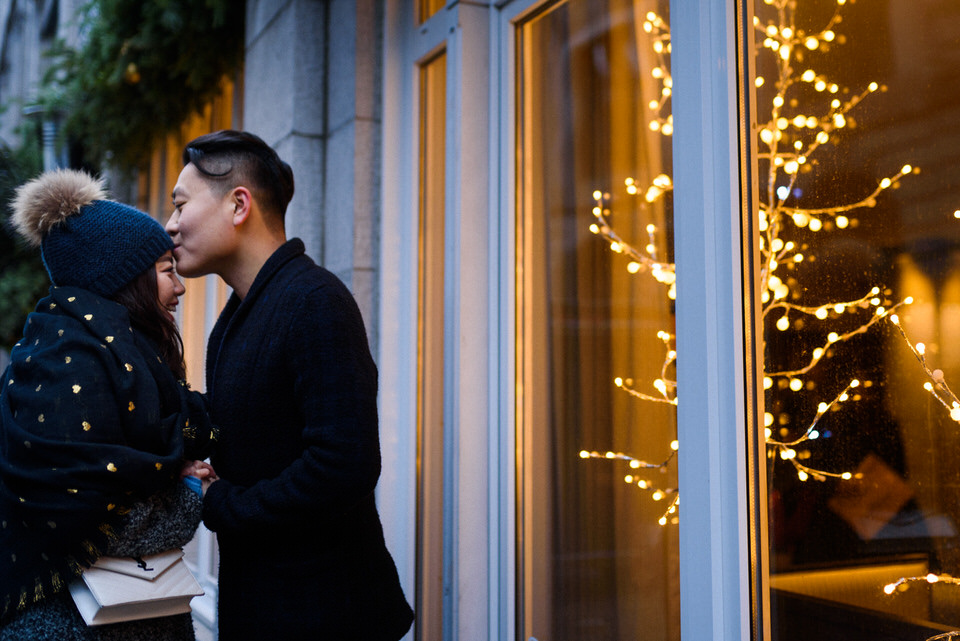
{"points": [[176, 190]]}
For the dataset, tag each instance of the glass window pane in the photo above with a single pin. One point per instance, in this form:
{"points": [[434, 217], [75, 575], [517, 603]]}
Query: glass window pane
{"points": [[430, 336], [426, 9], [596, 414], [858, 104]]}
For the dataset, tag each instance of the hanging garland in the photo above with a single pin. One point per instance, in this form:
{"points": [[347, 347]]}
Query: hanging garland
{"points": [[143, 68]]}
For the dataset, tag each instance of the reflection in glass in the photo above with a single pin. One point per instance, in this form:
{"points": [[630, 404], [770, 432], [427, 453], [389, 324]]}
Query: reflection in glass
{"points": [[857, 110], [595, 326]]}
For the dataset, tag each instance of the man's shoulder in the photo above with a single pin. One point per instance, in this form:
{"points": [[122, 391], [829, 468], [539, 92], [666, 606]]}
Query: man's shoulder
{"points": [[303, 276]]}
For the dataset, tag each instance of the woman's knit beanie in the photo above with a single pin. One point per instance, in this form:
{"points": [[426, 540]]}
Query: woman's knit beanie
{"points": [[85, 240]]}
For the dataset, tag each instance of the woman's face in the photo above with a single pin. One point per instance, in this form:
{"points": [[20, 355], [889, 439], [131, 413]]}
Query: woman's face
{"points": [[169, 287]]}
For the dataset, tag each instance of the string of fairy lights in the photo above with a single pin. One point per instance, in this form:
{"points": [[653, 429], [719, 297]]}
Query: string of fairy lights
{"points": [[788, 141]]}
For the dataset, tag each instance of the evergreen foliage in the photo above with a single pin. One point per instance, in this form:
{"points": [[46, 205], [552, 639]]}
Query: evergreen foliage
{"points": [[23, 280], [142, 70]]}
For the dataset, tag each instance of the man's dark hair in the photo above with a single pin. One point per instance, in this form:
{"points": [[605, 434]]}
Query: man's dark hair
{"points": [[230, 158]]}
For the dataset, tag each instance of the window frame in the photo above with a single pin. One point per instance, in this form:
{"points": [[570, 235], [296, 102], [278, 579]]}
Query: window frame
{"points": [[723, 585]]}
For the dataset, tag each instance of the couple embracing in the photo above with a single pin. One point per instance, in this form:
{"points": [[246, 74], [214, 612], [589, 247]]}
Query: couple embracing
{"points": [[102, 443]]}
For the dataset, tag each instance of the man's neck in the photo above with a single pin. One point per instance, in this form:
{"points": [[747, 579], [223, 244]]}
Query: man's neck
{"points": [[248, 264]]}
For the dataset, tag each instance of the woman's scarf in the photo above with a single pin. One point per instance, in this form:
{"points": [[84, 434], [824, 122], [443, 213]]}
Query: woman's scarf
{"points": [[90, 421]]}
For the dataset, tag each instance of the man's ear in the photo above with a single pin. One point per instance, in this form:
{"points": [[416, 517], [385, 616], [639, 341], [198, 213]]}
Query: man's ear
{"points": [[242, 201]]}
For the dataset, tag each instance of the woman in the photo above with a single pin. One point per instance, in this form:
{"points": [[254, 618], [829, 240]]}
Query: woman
{"points": [[96, 422]]}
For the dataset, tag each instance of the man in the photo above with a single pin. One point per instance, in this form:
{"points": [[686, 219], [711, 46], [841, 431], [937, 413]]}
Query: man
{"points": [[292, 386]]}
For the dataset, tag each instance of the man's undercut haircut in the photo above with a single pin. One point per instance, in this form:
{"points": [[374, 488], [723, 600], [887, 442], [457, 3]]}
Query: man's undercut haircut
{"points": [[231, 158]]}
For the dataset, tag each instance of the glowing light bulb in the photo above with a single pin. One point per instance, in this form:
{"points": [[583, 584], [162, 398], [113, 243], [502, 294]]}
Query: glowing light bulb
{"points": [[889, 588], [921, 348], [846, 476], [816, 225], [811, 43], [796, 384], [821, 313]]}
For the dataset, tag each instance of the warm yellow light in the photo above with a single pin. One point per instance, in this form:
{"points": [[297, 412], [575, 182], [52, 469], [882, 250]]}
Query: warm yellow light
{"points": [[783, 323], [842, 222], [796, 384]]}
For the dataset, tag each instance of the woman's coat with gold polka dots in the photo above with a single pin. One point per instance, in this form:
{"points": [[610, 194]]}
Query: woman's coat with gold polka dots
{"points": [[91, 421]]}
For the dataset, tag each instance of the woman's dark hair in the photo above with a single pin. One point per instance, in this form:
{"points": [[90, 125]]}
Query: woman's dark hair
{"points": [[229, 158], [142, 300]]}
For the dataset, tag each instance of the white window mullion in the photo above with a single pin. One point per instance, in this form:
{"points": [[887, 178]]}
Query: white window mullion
{"points": [[712, 369]]}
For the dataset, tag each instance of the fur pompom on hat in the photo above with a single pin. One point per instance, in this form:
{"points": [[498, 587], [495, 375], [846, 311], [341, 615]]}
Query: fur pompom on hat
{"points": [[86, 240]]}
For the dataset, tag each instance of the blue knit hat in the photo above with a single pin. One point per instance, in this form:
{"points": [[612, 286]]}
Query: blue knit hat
{"points": [[85, 240]]}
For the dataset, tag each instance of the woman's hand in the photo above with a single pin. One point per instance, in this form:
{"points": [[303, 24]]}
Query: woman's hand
{"points": [[201, 470]]}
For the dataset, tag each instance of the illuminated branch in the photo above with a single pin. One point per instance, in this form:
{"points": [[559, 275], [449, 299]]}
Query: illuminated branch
{"points": [[936, 385]]}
